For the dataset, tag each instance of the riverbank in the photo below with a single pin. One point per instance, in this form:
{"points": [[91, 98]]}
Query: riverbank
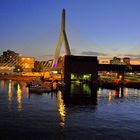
{"points": [[28, 78], [113, 84], [17, 77]]}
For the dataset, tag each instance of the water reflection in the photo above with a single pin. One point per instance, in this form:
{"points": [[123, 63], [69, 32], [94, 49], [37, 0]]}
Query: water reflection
{"points": [[19, 97], [2, 84], [78, 120], [10, 92], [16, 90], [125, 92], [80, 94], [85, 94], [119, 92], [61, 109], [110, 96]]}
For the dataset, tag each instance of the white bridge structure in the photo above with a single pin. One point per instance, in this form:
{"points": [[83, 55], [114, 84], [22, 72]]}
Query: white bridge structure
{"points": [[62, 39], [10, 64], [53, 62]]}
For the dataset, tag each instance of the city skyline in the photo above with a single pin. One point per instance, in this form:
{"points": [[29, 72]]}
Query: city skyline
{"points": [[110, 28]]}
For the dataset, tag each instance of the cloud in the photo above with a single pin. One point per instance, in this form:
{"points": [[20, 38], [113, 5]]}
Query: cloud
{"points": [[93, 53], [131, 56]]}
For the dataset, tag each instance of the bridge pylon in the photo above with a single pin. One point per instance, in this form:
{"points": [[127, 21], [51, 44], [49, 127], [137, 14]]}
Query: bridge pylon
{"points": [[62, 38]]}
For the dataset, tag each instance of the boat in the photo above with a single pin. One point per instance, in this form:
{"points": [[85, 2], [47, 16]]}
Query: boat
{"points": [[37, 89], [38, 86], [43, 87]]}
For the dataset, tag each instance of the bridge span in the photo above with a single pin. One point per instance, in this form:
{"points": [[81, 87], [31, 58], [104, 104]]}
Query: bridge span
{"points": [[118, 68]]}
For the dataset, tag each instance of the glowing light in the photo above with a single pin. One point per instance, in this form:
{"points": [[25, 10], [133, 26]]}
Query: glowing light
{"points": [[72, 76], [120, 92], [116, 93], [2, 84], [120, 76], [110, 96], [10, 92], [86, 88], [99, 92], [54, 72], [126, 92], [61, 109], [55, 64], [19, 97]]}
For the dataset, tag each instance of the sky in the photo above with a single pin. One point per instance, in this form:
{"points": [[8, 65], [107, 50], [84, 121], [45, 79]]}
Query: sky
{"points": [[94, 27]]}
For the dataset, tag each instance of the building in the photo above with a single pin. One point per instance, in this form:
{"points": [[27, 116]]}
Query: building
{"points": [[40, 66], [9, 55], [8, 60], [116, 60], [104, 60], [2, 60], [27, 63]]}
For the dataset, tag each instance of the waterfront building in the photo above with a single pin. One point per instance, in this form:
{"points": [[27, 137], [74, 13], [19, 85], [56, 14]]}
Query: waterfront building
{"points": [[40, 66], [8, 60], [9, 55], [104, 60], [27, 63], [116, 60], [1, 59]]}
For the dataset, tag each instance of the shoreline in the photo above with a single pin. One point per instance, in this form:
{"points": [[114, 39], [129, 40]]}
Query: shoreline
{"points": [[17, 77], [100, 83]]}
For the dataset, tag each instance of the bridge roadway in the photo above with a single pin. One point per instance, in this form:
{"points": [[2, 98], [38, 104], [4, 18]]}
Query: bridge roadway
{"points": [[115, 68], [118, 68]]}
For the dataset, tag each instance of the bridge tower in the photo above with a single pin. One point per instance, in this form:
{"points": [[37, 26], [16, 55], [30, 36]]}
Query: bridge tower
{"points": [[62, 38]]}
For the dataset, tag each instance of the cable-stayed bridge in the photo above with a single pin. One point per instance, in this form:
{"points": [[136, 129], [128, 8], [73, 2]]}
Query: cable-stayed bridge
{"points": [[56, 61], [47, 61]]}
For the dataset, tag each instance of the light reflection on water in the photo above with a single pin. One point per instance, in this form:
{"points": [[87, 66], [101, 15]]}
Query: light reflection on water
{"points": [[19, 97], [61, 108], [10, 92], [47, 116]]}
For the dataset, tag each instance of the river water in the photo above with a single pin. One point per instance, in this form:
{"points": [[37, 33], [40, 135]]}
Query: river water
{"points": [[47, 116]]}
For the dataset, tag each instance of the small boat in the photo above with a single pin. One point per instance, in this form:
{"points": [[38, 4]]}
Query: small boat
{"points": [[38, 89], [60, 84], [38, 86]]}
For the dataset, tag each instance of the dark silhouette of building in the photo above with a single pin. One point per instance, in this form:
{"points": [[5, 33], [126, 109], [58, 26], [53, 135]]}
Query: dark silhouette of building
{"points": [[9, 55], [126, 60], [116, 60]]}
